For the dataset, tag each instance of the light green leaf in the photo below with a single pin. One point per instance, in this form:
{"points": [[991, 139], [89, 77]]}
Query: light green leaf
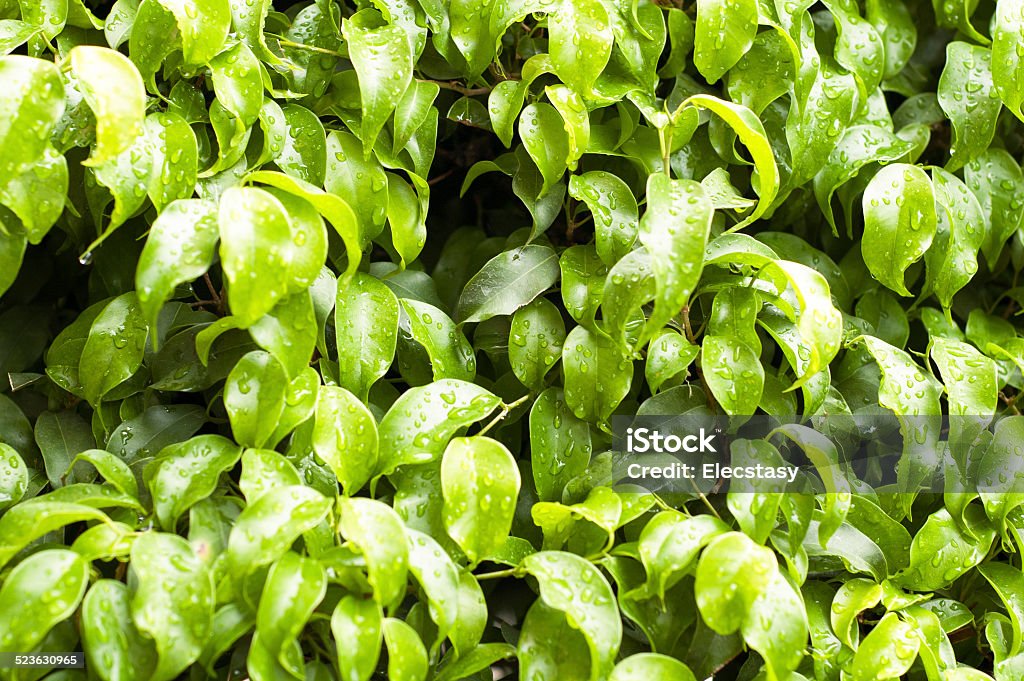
{"points": [[440, 409], [383, 60], [887, 651], [266, 529], [967, 97], [295, 586], [204, 26], [254, 228], [179, 248], [545, 139], [407, 657], [580, 42], [724, 32], [1007, 74], [366, 325], [750, 131], [674, 230], [614, 208], [186, 473], [575, 587], [899, 223], [378, 533], [172, 600], [356, 624], [732, 573], [480, 483], [41, 591], [733, 373], [451, 355], [597, 375], [114, 91], [345, 437]]}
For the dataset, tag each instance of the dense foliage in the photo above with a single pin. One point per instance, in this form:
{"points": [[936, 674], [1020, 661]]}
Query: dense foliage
{"points": [[315, 317]]}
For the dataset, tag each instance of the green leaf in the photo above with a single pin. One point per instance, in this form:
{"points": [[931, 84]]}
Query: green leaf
{"points": [[899, 223], [536, 338], [407, 657], [114, 348], [61, 436], [345, 437], [575, 587], [676, 250], [733, 373], [266, 529], [580, 42], [994, 178], [732, 573], [952, 260], [289, 333], [668, 357], [507, 282], [407, 217], [451, 355], [819, 323], [238, 86], [304, 153], [378, 533], [254, 230], [358, 180], [418, 426], [597, 375], [295, 586], [942, 550], [583, 279], [477, 660], [106, 610], [545, 139], [967, 96], [383, 60], [412, 110], [480, 483], [1005, 580], [248, 19], [750, 131], [307, 229], [439, 579], [114, 91], [188, 472], [887, 651], [41, 591], [172, 600], [539, 660], [356, 624], [614, 208], [646, 666], [32, 103], [724, 32], [13, 477], [179, 248], [204, 26], [1007, 77], [366, 326], [669, 543]]}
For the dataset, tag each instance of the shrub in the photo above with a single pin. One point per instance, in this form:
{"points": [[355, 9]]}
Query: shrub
{"points": [[316, 318]]}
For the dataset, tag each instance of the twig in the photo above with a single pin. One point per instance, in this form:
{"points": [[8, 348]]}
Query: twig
{"points": [[442, 177], [311, 48], [505, 409], [455, 87]]}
